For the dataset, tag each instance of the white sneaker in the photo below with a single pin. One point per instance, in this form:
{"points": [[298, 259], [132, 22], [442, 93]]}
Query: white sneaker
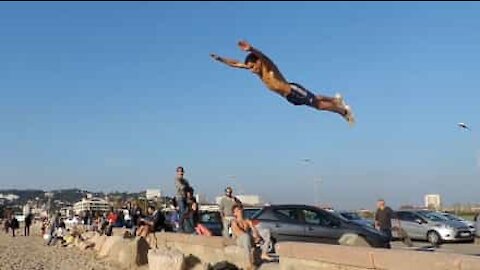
{"points": [[349, 116]]}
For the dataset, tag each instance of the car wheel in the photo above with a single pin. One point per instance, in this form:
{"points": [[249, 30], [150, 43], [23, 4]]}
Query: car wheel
{"points": [[434, 238]]}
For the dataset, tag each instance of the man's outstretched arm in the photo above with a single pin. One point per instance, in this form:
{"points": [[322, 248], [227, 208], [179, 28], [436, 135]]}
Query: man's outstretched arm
{"points": [[229, 62]]}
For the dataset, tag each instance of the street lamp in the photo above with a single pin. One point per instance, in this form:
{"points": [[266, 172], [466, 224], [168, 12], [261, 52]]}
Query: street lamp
{"points": [[316, 181]]}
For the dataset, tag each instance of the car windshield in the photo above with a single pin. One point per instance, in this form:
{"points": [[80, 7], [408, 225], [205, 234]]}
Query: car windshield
{"points": [[434, 216], [452, 217], [351, 216], [250, 212]]}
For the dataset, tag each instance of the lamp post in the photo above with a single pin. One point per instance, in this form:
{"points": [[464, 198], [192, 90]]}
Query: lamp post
{"points": [[316, 181]]}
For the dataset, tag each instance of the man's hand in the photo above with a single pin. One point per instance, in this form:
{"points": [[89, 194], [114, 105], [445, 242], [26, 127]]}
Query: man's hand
{"points": [[244, 45], [216, 57]]}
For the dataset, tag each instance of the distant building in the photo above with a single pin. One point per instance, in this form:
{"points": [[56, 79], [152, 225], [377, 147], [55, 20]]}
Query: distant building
{"points": [[9, 197], [67, 211], [152, 194], [93, 205], [433, 201], [201, 198]]}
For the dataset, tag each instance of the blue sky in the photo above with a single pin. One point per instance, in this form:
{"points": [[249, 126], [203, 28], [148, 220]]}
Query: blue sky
{"points": [[113, 96]]}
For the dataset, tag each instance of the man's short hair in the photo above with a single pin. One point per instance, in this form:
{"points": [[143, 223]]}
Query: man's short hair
{"points": [[151, 207], [251, 58], [180, 169]]}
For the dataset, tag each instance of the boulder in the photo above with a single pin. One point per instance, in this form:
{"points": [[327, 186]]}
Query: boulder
{"points": [[351, 239], [163, 258]]}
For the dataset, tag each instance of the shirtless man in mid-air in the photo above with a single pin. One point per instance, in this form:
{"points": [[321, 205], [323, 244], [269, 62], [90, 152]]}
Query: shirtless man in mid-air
{"points": [[296, 94]]}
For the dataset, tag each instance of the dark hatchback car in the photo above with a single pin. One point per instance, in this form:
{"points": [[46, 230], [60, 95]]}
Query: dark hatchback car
{"points": [[311, 224]]}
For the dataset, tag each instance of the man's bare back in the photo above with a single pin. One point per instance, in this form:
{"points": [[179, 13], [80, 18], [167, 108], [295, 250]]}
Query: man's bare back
{"points": [[261, 65]]}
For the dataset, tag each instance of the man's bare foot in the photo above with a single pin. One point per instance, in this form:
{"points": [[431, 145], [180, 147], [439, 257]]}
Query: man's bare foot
{"points": [[349, 116], [216, 57], [265, 257], [339, 100]]}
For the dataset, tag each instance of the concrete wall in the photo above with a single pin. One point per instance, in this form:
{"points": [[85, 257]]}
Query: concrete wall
{"points": [[204, 249], [306, 256], [195, 252]]}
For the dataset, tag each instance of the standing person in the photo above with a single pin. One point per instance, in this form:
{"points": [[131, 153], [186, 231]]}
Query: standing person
{"points": [[477, 228], [14, 224], [136, 214], [8, 216], [112, 219], [127, 217], [383, 218], [226, 205], [86, 220], [28, 223], [6, 225], [54, 224], [181, 185], [262, 66], [190, 218]]}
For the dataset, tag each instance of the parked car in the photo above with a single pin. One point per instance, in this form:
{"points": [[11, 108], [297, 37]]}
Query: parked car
{"points": [[469, 223], [356, 218], [250, 211], [212, 220], [431, 226], [311, 224]]}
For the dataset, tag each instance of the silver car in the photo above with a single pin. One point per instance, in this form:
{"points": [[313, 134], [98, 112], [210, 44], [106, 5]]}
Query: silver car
{"points": [[304, 223], [430, 226], [469, 223]]}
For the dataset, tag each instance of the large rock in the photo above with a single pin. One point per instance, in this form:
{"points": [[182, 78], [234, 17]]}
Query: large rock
{"points": [[133, 253], [112, 244], [351, 239], [163, 258], [99, 241]]}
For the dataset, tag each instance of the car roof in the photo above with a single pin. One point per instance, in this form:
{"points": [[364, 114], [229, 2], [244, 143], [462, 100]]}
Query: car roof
{"points": [[292, 206]]}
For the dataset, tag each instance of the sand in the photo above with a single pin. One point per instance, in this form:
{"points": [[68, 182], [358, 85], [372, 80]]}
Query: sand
{"points": [[25, 253]]}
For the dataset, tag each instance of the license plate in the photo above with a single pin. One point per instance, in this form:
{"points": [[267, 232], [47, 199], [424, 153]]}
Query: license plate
{"points": [[464, 234]]}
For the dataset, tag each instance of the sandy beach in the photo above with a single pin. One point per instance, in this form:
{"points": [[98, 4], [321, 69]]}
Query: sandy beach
{"points": [[25, 253]]}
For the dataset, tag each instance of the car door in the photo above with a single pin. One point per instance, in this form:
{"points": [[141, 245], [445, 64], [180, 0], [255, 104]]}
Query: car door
{"points": [[288, 225], [321, 227], [408, 222]]}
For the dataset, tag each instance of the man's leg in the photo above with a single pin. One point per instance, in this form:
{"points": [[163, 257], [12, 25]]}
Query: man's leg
{"points": [[181, 212], [329, 104], [388, 233], [265, 234], [226, 226]]}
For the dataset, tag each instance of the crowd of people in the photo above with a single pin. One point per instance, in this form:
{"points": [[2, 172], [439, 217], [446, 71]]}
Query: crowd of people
{"points": [[183, 216]]}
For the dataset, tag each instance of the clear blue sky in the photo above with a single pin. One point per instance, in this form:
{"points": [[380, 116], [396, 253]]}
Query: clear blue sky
{"points": [[113, 96]]}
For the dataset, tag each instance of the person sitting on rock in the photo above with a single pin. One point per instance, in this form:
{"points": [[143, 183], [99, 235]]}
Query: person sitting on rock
{"points": [[154, 223], [246, 234]]}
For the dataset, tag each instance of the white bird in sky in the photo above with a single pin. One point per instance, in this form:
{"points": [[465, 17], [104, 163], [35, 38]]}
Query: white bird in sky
{"points": [[463, 125]]}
